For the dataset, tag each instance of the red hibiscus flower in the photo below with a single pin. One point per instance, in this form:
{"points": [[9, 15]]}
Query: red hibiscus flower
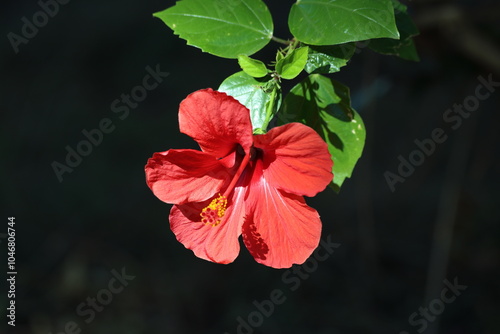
{"points": [[241, 184]]}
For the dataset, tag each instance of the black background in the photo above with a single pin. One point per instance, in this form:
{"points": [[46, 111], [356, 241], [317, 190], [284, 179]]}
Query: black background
{"points": [[395, 247]]}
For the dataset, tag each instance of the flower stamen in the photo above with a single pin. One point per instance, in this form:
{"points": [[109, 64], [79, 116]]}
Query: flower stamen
{"points": [[213, 213], [238, 173]]}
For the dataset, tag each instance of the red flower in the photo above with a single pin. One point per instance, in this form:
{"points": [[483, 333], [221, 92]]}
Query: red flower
{"points": [[241, 184]]}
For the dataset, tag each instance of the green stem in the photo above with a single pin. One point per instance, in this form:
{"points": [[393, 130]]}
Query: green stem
{"points": [[270, 108], [280, 40], [292, 45]]}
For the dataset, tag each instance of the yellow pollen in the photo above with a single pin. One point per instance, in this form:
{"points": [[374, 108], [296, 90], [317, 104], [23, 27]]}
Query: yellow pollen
{"points": [[213, 213]]}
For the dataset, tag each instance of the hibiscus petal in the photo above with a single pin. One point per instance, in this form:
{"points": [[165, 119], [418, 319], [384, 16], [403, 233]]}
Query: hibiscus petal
{"points": [[212, 243], [296, 159], [181, 176], [216, 121], [280, 229]]}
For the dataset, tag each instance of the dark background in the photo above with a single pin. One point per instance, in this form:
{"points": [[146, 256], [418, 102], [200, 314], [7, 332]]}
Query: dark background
{"points": [[396, 248]]}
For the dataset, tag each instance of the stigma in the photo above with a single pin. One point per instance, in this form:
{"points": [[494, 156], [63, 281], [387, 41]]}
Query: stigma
{"points": [[214, 212]]}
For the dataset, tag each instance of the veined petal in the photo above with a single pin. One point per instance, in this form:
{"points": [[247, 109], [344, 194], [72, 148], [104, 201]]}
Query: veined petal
{"points": [[217, 121], [181, 176], [280, 229], [296, 159], [213, 243]]}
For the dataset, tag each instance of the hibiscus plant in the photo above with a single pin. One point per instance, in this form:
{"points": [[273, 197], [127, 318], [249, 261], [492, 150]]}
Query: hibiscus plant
{"points": [[249, 178]]}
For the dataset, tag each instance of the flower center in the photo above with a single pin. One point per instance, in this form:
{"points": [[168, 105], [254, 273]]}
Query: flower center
{"points": [[213, 213]]}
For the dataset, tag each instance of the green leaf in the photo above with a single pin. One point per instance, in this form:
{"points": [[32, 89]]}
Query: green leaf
{"points": [[329, 59], [279, 55], [291, 66], [404, 47], [249, 92], [225, 28], [329, 22], [324, 105], [252, 67]]}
